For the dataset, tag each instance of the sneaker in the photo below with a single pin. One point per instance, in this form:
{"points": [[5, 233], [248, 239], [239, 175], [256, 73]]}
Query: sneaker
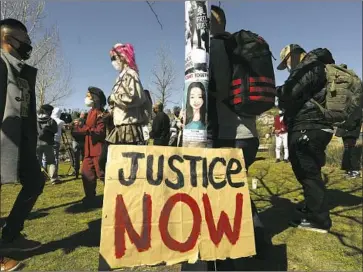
{"points": [[57, 181], [278, 160], [354, 174], [308, 225], [19, 244], [286, 161], [7, 264]]}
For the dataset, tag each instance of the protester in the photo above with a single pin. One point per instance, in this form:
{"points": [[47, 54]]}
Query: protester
{"points": [[160, 130], [47, 128], [78, 144], [309, 132], [57, 137], [226, 128], [128, 100], [176, 126], [281, 137], [18, 136], [351, 155], [94, 132]]}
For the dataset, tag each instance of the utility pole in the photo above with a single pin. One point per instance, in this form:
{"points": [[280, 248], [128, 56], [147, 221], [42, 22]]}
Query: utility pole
{"points": [[197, 41]]}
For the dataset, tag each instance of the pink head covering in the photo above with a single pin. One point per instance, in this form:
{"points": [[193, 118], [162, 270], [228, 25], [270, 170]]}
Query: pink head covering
{"points": [[127, 52]]}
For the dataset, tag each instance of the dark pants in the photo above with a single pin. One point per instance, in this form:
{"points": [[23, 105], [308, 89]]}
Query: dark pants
{"points": [[351, 158], [103, 158], [78, 148], [307, 158], [90, 172], [161, 142], [32, 181]]}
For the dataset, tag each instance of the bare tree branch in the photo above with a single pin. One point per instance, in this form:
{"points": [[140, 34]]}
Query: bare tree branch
{"points": [[164, 76], [153, 11], [53, 79]]}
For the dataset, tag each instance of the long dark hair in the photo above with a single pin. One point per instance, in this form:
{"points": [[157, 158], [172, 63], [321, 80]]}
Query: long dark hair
{"points": [[189, 109]]}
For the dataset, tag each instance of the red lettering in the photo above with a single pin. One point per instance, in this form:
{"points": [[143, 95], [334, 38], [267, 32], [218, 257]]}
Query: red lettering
{"points": [[169, 241], [123, 223], [223, 223]]}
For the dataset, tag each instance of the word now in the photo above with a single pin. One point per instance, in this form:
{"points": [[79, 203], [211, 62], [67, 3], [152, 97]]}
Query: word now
{"points": [[233, 167], [142, 241]]}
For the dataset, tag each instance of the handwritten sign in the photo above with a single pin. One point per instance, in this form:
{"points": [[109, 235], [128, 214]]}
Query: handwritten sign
{"points": [[166, 204]]}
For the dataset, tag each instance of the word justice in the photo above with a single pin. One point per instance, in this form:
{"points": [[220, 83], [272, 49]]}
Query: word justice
{"points": [[143, 241], [233, 167]]}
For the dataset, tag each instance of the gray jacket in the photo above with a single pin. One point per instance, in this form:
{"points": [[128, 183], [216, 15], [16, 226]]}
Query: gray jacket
{"points": [[18, 120]]}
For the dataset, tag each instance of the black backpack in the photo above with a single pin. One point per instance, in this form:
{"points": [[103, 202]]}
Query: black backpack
{"points": [[253, 88]]}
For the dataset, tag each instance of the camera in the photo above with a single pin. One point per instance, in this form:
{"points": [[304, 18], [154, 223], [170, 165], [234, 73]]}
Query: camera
{"points": [[66, 117]]}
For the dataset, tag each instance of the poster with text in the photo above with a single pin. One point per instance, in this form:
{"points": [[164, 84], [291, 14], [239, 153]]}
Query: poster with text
{"points": [[170, 205], [197, 38], [195, 114]]}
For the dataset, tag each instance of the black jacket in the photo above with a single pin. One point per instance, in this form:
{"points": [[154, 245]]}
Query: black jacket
{"points": [[350, 133], [305, 82], [47, 127], [161, 127]]}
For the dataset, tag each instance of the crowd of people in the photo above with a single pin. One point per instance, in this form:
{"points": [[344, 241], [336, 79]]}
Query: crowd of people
{"points": [[30, 139]]}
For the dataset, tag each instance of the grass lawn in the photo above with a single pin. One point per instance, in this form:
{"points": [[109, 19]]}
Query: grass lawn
{"points": [[70, 236]]}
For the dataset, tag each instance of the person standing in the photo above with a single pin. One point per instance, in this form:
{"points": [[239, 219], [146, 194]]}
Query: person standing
{"points": [[56, 113], [227, 129], [160, 130], [18, 135], [351, 155], [78, 144], [281, 137], [128, 101], [309, 131], [47, 128], [94, 132]]}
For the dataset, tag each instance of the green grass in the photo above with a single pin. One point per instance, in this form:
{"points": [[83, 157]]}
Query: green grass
{"points": [[70, 236]]}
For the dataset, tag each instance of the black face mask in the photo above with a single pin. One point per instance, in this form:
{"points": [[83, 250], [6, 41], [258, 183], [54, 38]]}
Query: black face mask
{"points": [[24, 49]]}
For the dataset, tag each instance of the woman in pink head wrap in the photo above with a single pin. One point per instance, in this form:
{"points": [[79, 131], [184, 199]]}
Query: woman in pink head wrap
{"points": [[131, 107]]}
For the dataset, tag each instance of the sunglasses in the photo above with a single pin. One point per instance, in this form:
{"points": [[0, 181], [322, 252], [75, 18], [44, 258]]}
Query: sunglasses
{"points": [[113, 58]]}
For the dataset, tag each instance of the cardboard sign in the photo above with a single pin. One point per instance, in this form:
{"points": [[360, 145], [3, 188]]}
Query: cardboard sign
{"points": [[166, 204]]}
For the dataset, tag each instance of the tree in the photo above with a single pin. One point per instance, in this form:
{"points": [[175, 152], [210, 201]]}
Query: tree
{"points": [[164, 77], [53, 80]]}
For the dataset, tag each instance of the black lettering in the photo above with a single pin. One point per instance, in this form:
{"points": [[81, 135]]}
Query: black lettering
{"points": [[216, 185], [205, 171], [180, 182], [150, 172], [231, 171], [193, 168], [135, 156]]}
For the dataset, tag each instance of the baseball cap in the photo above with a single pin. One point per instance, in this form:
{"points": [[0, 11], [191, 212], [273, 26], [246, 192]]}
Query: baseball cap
{"points": [[286, 52]]}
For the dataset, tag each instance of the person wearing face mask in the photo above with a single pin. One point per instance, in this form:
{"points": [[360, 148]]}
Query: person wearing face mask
{"points": [[95, 133], [281, 137], [18, 135], [308, 131], [128, 100]]}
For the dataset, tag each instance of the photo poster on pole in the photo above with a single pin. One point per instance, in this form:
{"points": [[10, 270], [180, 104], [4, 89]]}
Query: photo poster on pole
{"points": [[197, 42]]}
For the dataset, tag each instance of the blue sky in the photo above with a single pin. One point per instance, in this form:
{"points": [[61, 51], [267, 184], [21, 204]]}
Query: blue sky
{"points": [[89, 29]]}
